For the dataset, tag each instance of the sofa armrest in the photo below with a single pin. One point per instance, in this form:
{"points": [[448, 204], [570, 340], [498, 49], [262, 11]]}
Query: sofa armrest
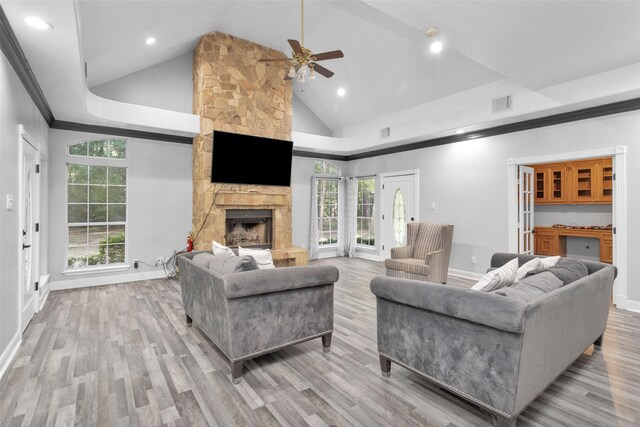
{"points": [[401, 252], [484, 308], [256, 282]]}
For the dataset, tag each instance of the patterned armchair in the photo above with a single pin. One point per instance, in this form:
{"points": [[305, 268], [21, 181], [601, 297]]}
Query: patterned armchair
{"points": [[426, 256]]}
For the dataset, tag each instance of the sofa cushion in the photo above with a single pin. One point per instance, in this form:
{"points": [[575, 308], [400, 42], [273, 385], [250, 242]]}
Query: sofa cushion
{"points": [[534, 264], [262, 256], [202, 259], [549, 261], [567, 269], [498, 278], [408, 265], [531, 287], [226, 264]]}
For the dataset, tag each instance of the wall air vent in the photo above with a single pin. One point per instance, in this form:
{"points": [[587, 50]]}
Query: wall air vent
{"points": [[385, 132], [501, 104]]}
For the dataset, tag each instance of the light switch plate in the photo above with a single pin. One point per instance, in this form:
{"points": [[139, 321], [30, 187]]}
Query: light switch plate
{"points": [[9, 202], [433, 206]]}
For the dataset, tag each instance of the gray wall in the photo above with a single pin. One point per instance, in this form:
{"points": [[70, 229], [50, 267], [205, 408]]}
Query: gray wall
{"points": [[16, 108], [168, 85], [468, 182], [305, 120], [159, 192]]}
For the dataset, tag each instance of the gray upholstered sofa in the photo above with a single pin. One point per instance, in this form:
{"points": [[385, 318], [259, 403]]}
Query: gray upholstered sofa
{"points": [[426, 254], [251, 313], [497, 352]]}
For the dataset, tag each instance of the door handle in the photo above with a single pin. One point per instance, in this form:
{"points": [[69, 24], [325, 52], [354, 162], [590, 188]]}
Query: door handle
{"points": [[25, 246]]}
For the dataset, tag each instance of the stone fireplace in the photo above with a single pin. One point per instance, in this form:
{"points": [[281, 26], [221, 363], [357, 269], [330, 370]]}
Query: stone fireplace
{"points": [[233, 92], [249, 228]]}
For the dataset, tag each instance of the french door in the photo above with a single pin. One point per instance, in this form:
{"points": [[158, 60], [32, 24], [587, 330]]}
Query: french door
{"points": [[526, 243], [399, 205]]}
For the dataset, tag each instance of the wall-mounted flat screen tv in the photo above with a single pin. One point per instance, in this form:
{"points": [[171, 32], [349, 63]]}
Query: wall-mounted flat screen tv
{"points": [[244, 159]]}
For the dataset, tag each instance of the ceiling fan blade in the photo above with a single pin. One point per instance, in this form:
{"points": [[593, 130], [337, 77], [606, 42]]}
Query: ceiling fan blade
{"points": [[295, 45], [320, 69], [273, 59], [334, 54]]}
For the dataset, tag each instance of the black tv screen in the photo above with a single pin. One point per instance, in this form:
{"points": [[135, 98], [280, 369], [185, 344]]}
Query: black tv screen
{"points": [[244, 159]]}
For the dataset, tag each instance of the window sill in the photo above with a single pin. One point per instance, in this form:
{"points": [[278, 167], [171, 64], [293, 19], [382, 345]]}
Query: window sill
{"points": [[332, 246], [96, 270], [365, 248]]}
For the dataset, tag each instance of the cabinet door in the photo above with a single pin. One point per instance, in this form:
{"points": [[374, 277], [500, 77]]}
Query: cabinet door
{"points": [[606, 249], [545, 244], [557, 184], [605, 175], [540, 178], [583, 183]]}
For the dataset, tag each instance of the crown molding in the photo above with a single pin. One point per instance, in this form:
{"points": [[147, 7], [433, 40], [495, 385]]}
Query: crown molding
{"points": [[108, 130]]}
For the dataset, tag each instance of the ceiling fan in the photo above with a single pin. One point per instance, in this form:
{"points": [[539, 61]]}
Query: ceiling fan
{"points": [[304, 62]]}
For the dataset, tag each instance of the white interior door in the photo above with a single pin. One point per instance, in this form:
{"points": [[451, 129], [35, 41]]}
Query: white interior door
{"points": [[29, 250], [399, 206], [525, 210]]}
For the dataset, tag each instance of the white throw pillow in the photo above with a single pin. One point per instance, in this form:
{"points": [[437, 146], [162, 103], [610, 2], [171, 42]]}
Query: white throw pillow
{"points": [[220, 249], [262, 256], [549, 261], [528, 266], [498, 278]]}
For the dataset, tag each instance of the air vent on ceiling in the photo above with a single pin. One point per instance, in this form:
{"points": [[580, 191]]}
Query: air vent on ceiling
{"points": [[501, 104], [385, 132]]}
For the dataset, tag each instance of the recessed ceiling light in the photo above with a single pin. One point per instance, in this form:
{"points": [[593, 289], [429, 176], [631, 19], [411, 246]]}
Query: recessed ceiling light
{"points": [[460, 131], [35, 22], [436, 47], [150, 40], [341, 92]]}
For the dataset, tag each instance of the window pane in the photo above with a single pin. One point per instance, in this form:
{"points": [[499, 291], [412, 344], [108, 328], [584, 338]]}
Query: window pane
{"points": [[77, 193], [117, 176], [96, 256], [97, 235], [98, 213], [117, 194], [99, 148], [98, 174], [118, 149], [77, 174], [117, 213], [78, 236], [116, 230], [326, 224], [77, 257], [116, 253], [77, 213], [334, 224], [97, 194], [78, 149]]}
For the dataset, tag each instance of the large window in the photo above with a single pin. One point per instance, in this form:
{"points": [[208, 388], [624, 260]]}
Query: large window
{"points": [[327, 202], [325, 168], [96, 205], [366, 233]]}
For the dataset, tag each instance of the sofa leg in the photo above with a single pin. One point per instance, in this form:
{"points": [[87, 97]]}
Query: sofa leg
{"points": [[385, 366], [598, 343], [499, 421], [236, 371], [189, 320], [326, 343]]}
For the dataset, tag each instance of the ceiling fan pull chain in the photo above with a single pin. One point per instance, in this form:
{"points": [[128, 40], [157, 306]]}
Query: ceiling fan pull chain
{"points": [[302, 22]]}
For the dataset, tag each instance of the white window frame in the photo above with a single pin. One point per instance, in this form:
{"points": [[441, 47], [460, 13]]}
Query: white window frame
{"points": [[337, 179], [95, 161], [370, 218]]}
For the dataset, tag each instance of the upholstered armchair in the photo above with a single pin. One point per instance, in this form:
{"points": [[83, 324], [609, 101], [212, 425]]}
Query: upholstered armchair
{"points": [[426, 256]]}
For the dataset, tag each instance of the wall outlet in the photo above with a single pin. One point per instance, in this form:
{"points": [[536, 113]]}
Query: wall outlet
{"points": [[9, 202], [473, 260], [433, 206], [135, 264]]}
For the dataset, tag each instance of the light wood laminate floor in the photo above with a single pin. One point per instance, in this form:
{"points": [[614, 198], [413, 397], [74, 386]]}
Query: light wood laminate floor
{"points": [[122, 355]]}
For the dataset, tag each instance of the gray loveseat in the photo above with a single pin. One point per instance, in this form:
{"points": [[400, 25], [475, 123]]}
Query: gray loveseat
{"points": [[497, 352], [251, 313]]}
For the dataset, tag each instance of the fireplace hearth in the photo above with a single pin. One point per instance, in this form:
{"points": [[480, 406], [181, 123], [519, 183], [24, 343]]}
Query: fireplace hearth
{"points": [[251, 228]]}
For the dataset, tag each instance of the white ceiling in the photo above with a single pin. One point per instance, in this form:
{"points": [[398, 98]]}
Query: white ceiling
{"points": [[387, 67]]}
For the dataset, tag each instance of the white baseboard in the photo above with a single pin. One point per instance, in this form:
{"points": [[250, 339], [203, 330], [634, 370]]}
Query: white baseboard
{"points": [[465, 274], [628, 304], [330, 254], [370, 256], [44, 287], [84, 282], [10, 352]]}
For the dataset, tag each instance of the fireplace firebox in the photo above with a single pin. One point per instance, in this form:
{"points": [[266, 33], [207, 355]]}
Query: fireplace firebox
{"points": [[251, 228]]}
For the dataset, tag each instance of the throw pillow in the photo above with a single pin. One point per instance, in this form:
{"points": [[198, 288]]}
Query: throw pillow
{"points": [[568, 270], [498, 278], [202, 259], [531, 287], [528, 266], [220, 249], [225, 264], [262, 256], [549, 262]]}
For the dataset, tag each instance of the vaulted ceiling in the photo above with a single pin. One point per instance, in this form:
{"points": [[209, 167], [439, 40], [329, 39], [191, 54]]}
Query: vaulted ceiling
{"points": [[387, 65]]}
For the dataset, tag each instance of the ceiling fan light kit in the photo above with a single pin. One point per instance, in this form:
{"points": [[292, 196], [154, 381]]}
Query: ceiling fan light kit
{"points": [[304, 63]]}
